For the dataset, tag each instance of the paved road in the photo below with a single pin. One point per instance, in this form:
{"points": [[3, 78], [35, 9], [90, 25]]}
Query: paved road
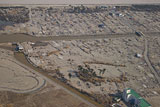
{"points": [[62, 2]]}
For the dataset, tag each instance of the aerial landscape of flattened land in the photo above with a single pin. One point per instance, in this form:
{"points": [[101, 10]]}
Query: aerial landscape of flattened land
{"points": [[98, 51], [79, 20], [20, 86]]}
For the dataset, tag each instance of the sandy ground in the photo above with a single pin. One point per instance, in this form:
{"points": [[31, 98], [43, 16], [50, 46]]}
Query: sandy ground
{"points": [[20, 87], [154, 101], [61, 2], [14, 77], [48, 96]]}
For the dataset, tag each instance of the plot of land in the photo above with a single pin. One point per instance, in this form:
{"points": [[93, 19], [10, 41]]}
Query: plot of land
{"points": [[14, 77], [80, 20], [117, 57], [21, 87]]}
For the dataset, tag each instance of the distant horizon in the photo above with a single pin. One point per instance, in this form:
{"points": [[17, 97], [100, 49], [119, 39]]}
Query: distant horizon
{"points": [[72, 2]]}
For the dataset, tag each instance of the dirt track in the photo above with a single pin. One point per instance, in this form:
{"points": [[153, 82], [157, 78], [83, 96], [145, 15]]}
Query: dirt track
{"points": [[13, 79], [24, 38], [28, 81], [149, 62]]}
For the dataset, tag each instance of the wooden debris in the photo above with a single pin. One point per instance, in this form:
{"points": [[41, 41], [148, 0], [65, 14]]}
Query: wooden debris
{"points": [[104, 63]]}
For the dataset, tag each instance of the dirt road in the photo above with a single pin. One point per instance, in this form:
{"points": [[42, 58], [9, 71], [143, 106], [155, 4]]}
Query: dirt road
{"points": [[4, 38], [149, 62], [24, 38]]}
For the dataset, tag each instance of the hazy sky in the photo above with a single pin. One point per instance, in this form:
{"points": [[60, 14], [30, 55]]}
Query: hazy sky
{"points": [[77, 1]]}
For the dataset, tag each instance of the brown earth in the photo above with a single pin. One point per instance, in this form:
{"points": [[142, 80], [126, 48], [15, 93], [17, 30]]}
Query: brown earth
{"points": [[46, 97]]}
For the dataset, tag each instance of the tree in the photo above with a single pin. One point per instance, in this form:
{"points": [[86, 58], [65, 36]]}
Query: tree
{"points": [[103, 71], [69, 75], [100, 71]]}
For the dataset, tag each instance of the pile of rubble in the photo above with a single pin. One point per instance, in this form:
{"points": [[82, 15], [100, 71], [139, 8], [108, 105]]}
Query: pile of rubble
{"points": [[88, 75], [106, 65], [80, 20], [14, 14], [75, 20], [142, 8], [103, 99], [85, 9], [12, 19]]}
